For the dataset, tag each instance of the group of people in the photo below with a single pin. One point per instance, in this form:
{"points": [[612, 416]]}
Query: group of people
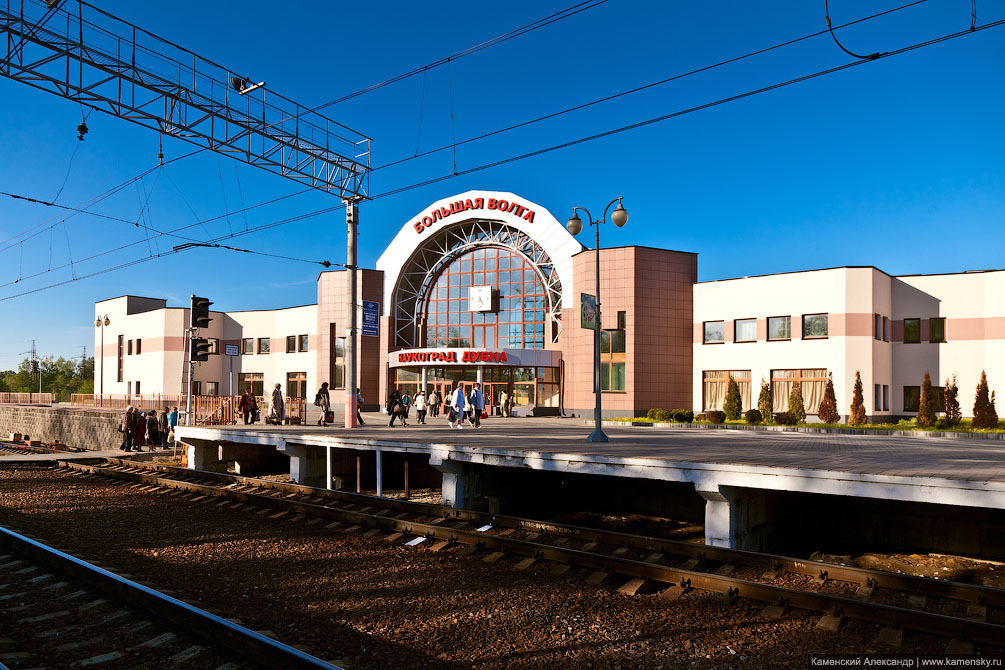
{"points": [[323, 400], [149, 428], [459, 406], [248, 406]]}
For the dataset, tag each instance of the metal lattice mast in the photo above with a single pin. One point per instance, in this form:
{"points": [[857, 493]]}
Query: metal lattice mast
{"points": [[82, 54]]}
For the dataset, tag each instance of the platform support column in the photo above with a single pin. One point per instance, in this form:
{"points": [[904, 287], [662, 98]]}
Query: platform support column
{"points": [[359, 474], [380, 473], [462, 485], [328, 468], [737, 518], [205, 457], [408, 490], [307, 465]]}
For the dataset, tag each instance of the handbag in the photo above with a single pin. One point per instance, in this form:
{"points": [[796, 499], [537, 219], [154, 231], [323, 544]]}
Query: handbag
{"points": [[485, 414]]}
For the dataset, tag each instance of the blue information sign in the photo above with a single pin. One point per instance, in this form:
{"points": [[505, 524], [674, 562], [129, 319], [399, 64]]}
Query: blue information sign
{"points": [[371, 316]]}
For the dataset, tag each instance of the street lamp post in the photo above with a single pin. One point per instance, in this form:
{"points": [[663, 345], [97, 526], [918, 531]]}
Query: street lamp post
{"points": [[101, 322], [619, 217]]}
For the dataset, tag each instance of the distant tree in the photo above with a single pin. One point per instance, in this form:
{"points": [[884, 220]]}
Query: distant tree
{"points": [[857, 416], [952, 402], [984, 411], [734, 405], [61, 377], [796, 402], [828, 408], [926, 407], [993, 412], [764, 402]]}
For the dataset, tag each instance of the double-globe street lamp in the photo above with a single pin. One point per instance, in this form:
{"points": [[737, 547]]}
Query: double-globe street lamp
{"points": [[619, 217], [101, 322]]}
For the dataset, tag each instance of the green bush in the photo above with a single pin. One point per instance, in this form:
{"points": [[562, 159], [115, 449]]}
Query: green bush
{"points": [[857, 416], [764, 405], [733, 405], [651, 414], [926, 407], [786, 419], [662, 416], [682, 415], [796, 402], [752, 416], [952, 402], [828, 409], [712, 416]]}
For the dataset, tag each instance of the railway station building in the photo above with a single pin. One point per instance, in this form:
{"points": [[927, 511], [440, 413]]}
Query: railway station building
{"points": [[486, 287]]}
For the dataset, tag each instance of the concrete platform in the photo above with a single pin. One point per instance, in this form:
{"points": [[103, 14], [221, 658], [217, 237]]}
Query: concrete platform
{"points": [[732, 470]]}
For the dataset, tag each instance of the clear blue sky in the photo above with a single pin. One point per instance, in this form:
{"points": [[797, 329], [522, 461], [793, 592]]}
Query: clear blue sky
{"points": [[897, 163]]}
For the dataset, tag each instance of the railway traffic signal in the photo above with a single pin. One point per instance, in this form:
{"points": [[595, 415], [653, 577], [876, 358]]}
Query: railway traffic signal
{"points": [[200, 349], [200, 312]]}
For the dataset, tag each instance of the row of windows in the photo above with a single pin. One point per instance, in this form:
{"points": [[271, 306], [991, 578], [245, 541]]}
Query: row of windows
{"points": [[779, 329], [294, 344], [814, 327]]}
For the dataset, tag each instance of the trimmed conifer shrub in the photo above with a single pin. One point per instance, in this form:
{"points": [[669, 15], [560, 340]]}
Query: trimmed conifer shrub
{"points": [[926, 407], [857, 416], [952, 402], [752, 416], [828, 409], [764, 402], [985, 415], [796, 402], [786, 419], [734, 405]]}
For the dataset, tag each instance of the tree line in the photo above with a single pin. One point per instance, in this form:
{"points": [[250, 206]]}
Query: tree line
{"points": [[60, 377]]}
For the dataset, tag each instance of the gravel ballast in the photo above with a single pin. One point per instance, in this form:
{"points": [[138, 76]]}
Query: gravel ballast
{"points": [[365, 603]]}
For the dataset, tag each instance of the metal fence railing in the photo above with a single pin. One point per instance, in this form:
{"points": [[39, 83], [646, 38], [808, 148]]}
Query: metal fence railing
{"points": [[156, 401], [26, 398]]}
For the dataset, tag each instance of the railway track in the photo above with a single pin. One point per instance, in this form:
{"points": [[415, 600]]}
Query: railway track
{"points": [[60, 611], [21, 448], [965, 613]]}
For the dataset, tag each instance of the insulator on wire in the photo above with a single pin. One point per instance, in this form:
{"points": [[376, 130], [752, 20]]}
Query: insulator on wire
{"points": [[81, 130]]}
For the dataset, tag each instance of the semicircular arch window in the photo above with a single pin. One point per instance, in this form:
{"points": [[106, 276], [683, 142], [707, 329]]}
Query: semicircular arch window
{"points": [[519, 311]]}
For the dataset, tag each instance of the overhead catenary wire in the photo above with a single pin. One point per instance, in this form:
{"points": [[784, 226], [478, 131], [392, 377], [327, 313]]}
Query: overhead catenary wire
{"points": [[544, 150], [638, 89]]}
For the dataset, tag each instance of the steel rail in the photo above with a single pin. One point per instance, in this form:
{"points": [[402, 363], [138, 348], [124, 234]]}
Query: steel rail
{"points": [[239, 639], [938, 624], [941, 588]]}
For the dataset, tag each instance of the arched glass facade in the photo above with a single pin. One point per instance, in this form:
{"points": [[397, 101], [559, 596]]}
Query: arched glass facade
{"points": [[517, 320]]}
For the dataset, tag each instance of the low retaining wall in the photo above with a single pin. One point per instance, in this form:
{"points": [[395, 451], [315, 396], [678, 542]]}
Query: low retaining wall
{"points": [[83, 428]]}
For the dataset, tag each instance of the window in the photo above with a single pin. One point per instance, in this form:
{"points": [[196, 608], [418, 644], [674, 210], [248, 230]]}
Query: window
{"points": [[520, 313], [263, 345], [912, 398], [291, 344], [814, 326], [129, 388], [715, 383], [214, 345], [130, 349], [622, 320], [715, 332], [303, 342], [139, 342], [939, 397], [612, 360], [137, 388], [779, 327], [886, 329], [296, 384], [196, 388], [813, 384], [212, 388], [886, 398], [745, 330], [878, 396], [121, 348], [253, 380], [248, 345], [912, 331], [937, 330], [877, 327], [338, 362]]}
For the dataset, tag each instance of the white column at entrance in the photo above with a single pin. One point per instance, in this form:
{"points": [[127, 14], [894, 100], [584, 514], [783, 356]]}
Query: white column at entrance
{"points": [[481, 375], [422, 383]]}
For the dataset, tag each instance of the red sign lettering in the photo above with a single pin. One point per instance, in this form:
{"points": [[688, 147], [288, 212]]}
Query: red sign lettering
{"points": [[460, 206], [467, 356]]}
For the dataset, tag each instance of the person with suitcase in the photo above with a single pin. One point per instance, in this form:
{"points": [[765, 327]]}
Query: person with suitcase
{"points": [[477, 403]]}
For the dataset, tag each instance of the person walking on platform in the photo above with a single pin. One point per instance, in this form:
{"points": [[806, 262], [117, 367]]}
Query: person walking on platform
{"points": [[323, 400], [507, 405], [406, 404], [127, 427], [248, 406], [504, 404], [359, 404], [395, 408], [434, 403], [457, 406], [153, 431], [139, 429], [477, 402], [163, 426], [420, 407], [278, 406], [173, 421]]}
